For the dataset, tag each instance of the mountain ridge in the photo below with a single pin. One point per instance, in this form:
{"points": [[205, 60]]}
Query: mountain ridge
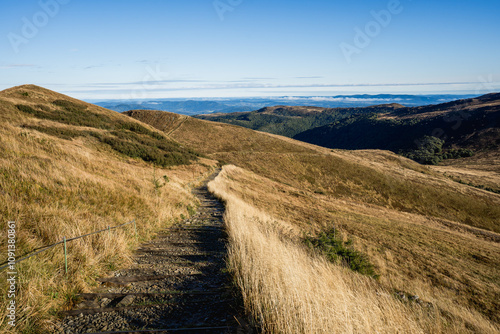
{"points": [[463, 124], [194, 106]]}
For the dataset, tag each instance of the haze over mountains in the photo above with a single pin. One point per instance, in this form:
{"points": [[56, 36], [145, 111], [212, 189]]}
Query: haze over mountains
{"points": [[228, 105]]}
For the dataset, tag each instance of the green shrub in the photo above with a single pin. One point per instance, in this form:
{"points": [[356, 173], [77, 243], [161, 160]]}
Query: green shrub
{"points": [[336, 250], [57, 132], [69, 113], [137, 128], [162, 154], [430, 151], [159, 182], [78, 114], [128, 138], [191, 210], [29, 110]]}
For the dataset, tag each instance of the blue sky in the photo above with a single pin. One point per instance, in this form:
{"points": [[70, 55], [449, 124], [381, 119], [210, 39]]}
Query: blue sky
{"points": [[204, 48]]}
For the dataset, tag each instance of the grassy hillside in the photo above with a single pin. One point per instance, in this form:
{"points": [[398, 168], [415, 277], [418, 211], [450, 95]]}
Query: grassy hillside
{"points": [[290, 121], [425, 234], [68, 168], [342, 241], [481, 170], [212, 137], [69, 119], [427, 134], [435, 276], [373, 177], [466, 126]]}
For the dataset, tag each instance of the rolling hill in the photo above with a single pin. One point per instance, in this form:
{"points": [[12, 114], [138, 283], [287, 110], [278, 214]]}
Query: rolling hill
{"points": [[427, 134], [292, 120], [426, 234], [472, 123], [69, 168], [321, 239]]}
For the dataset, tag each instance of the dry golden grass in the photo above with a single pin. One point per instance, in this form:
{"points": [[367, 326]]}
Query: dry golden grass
{"points": [[211, 137], [482, 169], [290, 290], [166, 121], [368, 176], [427, 234], [371, 180], [55, 188]]}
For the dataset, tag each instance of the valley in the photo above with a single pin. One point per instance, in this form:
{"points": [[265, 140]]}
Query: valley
{"points": [[427, 134]]}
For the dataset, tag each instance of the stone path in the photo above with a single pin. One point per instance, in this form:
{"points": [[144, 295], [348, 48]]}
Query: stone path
{"points": [[179, 284]]}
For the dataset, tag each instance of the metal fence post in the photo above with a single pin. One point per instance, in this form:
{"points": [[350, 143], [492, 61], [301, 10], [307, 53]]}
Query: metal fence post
{"points": [[5, 264], [135, 229], [65, 256]]}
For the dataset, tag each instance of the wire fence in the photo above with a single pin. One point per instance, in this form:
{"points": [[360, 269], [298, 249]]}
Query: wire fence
{"points": [[6, 264]]}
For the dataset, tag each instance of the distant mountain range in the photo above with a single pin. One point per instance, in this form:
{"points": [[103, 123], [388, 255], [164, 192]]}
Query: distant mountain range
{"points": [[427, 134], [425, 128], [229, 105]]}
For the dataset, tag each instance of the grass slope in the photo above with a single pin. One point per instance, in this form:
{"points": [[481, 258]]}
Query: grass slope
{"points": [[426, 284], [426, 234], [291, 121], [460, 127], [68, 168]]}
